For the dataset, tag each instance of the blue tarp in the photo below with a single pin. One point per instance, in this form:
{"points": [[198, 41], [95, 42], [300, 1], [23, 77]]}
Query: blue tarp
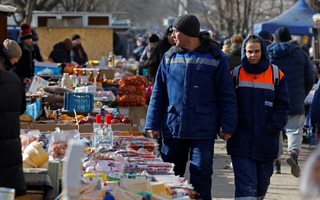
{"points": [[298, 19]]}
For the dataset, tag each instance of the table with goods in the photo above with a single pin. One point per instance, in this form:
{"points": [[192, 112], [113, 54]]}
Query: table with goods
{"points": [[106, 114]]}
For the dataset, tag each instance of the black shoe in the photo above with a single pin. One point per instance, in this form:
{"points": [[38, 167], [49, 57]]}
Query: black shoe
{"points": [[292, 160]]}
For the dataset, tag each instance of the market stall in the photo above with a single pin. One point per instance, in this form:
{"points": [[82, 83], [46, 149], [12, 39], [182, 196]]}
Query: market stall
{"points": [[104, 108]]}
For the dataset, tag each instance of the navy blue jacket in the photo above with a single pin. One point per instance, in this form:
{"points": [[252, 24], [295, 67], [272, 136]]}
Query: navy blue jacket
{"points": [[315, 109], [262, 110], [297, 66], [78, 54], [193, 94]]}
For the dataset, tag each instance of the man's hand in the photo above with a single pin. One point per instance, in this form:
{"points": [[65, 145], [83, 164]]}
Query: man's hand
{"points": [[154, 134], [225, 136]]}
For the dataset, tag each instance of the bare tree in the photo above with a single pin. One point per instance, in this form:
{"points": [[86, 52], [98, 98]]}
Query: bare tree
{"points": [[314, 4], [25, 8]]}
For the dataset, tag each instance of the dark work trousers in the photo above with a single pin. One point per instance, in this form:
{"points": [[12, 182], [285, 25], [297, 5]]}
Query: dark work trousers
{"points": [[201, 160], [252, 177]]}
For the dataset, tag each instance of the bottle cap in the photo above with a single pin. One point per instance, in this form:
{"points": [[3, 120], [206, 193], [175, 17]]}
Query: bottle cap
{"points": [[108, 119], [98, 118]]}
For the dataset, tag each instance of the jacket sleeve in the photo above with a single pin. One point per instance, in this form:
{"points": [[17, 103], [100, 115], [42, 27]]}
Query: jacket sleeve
{"points": [[281, 107], [226, 97], [309, 75], [76, 57], [158, 99], [315, 109]]}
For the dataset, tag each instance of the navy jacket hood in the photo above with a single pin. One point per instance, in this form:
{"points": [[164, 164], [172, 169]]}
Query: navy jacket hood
{"points": [[259, 67]]}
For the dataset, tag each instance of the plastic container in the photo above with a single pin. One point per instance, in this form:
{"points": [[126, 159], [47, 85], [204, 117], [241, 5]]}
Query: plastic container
{"points": [[36, 154], [66, 81], [81, 102], [7, 193]]}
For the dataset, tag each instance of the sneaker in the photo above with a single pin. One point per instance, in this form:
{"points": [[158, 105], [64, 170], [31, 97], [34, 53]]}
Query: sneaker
{"points": [[277, 167], [292, 160]]}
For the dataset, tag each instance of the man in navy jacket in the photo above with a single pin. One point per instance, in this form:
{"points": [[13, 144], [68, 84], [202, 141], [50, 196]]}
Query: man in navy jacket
{"points": [[192, 98]]}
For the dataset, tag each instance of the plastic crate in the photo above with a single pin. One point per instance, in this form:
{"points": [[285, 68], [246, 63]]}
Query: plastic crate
{"points": [[43, 68], [81, 102], [38, 70]]}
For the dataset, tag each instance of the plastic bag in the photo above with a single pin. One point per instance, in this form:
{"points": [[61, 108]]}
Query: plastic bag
{"points": [[59, 142]]}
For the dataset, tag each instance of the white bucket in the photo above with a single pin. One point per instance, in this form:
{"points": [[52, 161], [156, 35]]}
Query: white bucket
{"points": [[7, 193]]}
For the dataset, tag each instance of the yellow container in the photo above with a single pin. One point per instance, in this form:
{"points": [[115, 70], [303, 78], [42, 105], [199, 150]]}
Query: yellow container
{"points": [[36, 154]]}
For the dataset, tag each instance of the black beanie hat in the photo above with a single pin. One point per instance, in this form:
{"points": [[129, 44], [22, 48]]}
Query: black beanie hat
{"points": [[75, 36], [265, 35], [188, 25], [169, 30], [153, 38], [282, 34]]}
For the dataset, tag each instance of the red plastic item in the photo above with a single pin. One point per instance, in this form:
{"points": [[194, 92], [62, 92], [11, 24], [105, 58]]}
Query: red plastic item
{"points": [[108, 119], [98, 118]]}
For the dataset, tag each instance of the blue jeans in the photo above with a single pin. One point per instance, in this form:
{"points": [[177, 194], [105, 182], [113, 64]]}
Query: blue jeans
{"points": [[201, 160], [252, 177], [294, 130]]}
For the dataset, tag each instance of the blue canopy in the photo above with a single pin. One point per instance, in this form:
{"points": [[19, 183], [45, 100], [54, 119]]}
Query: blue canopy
{"points": [[298, 19]]}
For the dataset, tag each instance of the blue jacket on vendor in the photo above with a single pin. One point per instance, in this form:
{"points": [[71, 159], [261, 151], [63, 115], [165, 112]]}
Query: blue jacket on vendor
{"points": [[263, 106], [191, 105]]}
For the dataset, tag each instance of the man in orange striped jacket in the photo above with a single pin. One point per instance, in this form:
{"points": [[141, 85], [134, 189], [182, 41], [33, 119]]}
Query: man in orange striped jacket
{"points": [[262, 114]]}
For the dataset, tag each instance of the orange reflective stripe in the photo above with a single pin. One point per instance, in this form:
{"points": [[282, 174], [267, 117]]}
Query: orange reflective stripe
{"points": [[263, 80]]}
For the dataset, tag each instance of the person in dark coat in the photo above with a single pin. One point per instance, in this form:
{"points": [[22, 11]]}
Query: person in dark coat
{"points": [[153, 42], [193, 96], [35, 39], [61, 52], [12, 104], [157, 53], [298, 68], [262, 114], [139, 47], [119, 47], [10, 54], [78, 54], [234, 55], [25, 66]]}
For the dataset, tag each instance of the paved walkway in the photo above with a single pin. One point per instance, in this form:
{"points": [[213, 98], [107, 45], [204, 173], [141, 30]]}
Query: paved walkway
{"points": [[283, 186]]}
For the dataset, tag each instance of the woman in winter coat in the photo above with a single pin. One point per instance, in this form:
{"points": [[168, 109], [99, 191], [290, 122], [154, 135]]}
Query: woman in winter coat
{"points": [[12, 104], [234, 55], [263, 105]]}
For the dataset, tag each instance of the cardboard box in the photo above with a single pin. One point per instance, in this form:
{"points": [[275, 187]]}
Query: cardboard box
{"points": [[121, 127], [85, 128], [109, 73], [50, 126], [137, 115]]}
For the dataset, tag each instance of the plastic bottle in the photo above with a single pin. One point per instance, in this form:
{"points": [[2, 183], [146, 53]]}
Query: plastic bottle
{"points": [[111, 59], [99, 79], [66, 82], [97, 133], [91, 77], [108, 133]]}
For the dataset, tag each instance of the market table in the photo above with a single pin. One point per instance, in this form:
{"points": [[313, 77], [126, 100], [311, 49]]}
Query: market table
{"points": [[38, 179]]}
